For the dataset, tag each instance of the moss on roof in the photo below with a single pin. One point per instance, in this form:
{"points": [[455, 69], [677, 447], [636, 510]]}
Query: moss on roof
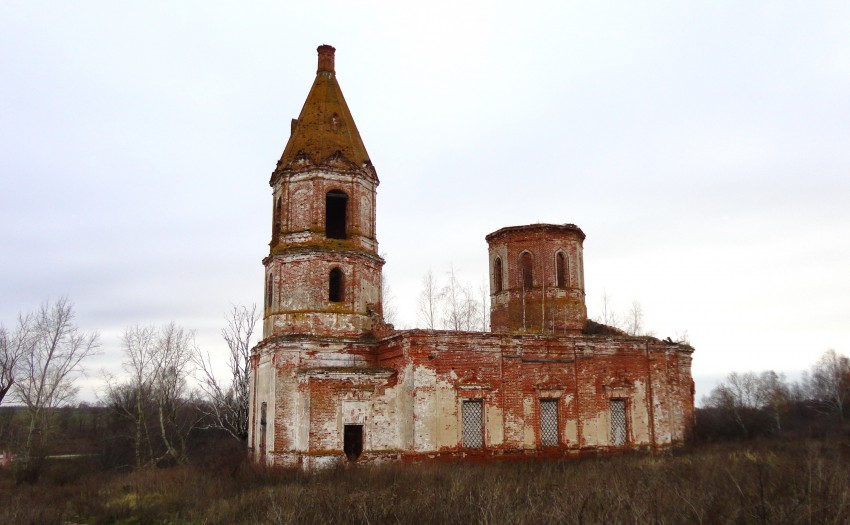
{"points": [[325, 125]]}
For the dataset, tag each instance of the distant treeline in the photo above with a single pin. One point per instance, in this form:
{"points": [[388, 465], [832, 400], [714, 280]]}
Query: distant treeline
{"points": [[749, 405]]}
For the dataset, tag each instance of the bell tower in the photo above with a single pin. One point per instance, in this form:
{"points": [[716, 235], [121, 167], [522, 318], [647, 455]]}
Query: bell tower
{"points": [[323, 271]]}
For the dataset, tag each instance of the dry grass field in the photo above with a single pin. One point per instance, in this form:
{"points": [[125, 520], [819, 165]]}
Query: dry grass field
{"points": [[793, 481]]}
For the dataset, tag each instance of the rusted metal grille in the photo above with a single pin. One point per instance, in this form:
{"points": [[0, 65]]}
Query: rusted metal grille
{"points": [[618, 422], [549, 422], [473, 423]]}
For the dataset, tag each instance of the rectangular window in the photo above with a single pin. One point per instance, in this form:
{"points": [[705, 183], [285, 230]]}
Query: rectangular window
{"points": [[618, 422], [473, 423], [549, 422]]}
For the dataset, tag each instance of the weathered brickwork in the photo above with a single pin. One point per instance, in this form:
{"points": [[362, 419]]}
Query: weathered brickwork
{"points": [[331, 382], [537, 279]]}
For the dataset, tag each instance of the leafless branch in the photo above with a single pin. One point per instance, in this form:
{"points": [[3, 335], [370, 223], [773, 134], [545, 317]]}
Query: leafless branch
{"points": [[227, 406]]}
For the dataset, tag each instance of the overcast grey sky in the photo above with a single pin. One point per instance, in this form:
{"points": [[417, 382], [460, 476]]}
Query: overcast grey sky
{"points": [[703, 147]]}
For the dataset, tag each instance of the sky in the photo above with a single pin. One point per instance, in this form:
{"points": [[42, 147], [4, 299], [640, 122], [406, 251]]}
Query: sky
{"points": [[703, 147]]}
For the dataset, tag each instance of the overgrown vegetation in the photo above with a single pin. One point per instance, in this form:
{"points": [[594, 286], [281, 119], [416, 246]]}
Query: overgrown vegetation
{"points": [[802, 481]]}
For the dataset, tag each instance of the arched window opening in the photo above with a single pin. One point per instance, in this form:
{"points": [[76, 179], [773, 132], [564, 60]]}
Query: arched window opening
{"points": [[580, 270], [561, 270], [269, 286], [497, 275], [279, 301], [277, 220], [526, 264], [335, 286], [336, 202]]}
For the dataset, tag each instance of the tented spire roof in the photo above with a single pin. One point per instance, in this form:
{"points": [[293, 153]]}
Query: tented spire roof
{"points": [[325, 125]]}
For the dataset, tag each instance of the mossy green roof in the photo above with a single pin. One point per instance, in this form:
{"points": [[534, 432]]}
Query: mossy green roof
{"points": [[325, 125]]}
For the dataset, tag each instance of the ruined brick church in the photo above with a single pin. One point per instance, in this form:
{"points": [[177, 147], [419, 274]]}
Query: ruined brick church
{"points": [[332, 382]]}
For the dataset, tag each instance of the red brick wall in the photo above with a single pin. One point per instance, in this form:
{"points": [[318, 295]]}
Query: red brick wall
{"points": [[545, 307]]}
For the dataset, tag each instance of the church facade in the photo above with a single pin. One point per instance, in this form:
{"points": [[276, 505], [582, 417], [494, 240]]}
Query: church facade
{"points": [[331, 382]]}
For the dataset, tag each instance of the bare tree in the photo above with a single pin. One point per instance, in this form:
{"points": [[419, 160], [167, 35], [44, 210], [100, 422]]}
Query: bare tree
{"points": [[13, 346], [738, 397], [829, 382], [774, 395], [154, 398], [388, 301], [609, 316], [484, 290], [132, 399], [754, 402], [635, 319], [429, 302], [461, 310], [47, 374], [175, 347], [228, 401]]}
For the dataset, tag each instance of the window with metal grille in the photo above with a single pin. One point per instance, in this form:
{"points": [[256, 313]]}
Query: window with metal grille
{"points": [[549, 422], [473, 423], [618, 422]]}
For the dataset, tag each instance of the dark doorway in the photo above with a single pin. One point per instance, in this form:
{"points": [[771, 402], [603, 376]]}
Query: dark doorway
{"points": [[353, 441], [336, 203]]}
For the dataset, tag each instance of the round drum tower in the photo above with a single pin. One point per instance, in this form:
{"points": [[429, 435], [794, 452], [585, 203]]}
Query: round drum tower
{"points": [[537, 279]]}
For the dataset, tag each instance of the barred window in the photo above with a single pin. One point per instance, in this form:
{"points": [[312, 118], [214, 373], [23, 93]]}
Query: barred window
{"points": [[618, 422], [473, 423], [549, 422]]}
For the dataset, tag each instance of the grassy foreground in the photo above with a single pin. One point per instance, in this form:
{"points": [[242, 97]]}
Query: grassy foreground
{"points": [[767, 482]]}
